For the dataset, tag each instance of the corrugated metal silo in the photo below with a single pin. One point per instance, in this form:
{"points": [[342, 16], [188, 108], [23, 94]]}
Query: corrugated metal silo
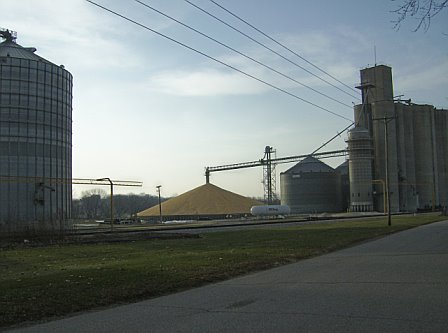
{"points": [[311, 186], [35, 139], [343, 171]]}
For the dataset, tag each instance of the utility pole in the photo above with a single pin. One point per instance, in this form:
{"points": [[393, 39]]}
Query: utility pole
{"points": [[386, 120], [160, 203], [386, 152]]}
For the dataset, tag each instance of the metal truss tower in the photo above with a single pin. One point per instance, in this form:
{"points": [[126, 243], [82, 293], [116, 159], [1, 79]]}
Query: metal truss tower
{"points": [[269, 175]]}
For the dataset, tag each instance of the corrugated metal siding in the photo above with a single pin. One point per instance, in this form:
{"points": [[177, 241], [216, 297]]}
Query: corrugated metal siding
{"points": [[35, 141]]}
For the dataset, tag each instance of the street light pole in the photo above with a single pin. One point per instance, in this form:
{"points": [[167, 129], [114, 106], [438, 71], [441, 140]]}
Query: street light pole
{"points": [[386, 142], [111, 202], [160, 203]]}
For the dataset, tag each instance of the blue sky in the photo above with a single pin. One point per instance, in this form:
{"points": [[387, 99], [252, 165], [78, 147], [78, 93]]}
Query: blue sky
{"points": [[146, 109]]}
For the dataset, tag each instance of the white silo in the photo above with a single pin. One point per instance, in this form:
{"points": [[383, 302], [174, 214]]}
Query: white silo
{"points": [[360, 170]]}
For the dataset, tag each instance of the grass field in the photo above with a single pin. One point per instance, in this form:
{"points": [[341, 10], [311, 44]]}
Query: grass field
{"points": [[44, 282]]}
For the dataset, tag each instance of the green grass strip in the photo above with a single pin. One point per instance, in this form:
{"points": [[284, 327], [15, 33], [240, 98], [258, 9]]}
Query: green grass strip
{"points": [[47, 282]]}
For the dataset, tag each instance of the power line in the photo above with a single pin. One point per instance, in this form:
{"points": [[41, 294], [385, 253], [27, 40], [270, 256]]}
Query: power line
{"points": [[275, 52], [331, 140], [241, 53], [217, 60], [282, 45]]}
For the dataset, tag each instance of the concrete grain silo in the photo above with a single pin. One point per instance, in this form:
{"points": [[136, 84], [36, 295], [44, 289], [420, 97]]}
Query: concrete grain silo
{"points": [[406, 158], [424, 145], [441, 150], [311, 186], [384, 112], [416, 147], [35, 139]]}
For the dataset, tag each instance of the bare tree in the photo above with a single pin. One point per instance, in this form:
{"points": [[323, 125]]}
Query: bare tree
{"points": [[422, 10], [95, 204]]}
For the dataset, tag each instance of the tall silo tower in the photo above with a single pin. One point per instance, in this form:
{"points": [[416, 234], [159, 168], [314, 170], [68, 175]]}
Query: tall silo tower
{"points": [[411, 139], [35, 139], [377, 109], [360, 170], [441, 151], [425, 146]]}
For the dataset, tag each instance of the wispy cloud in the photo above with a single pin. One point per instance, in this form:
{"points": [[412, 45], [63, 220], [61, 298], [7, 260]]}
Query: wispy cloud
{"points": [[204, 83], [421, 83], [57, 29]]}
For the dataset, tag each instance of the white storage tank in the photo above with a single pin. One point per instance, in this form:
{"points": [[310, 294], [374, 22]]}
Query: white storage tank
{"points": [[270, 210]]}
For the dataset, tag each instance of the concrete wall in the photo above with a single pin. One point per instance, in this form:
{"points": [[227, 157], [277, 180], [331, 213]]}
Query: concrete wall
{"points": [[424, 149], [406, 158], [441, 137], [381, 110]]}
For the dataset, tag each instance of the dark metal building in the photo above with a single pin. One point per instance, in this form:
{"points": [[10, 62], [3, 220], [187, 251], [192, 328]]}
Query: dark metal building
{"points": [[35, 139]]}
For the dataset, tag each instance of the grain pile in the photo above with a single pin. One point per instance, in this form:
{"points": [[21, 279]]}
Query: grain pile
{"points": [[205, 200]]}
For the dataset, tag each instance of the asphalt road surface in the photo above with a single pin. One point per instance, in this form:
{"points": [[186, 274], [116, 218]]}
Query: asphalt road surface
{"points": [[398, 283]]}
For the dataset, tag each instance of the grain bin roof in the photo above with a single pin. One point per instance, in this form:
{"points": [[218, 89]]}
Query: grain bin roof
{"points": [[14, 50], [310, 164], [343, 168], [207, 199]]}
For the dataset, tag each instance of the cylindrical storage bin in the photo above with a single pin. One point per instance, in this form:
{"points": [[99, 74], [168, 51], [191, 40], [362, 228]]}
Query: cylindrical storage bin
{"points": [[311, 186], [35, 140], [360, 170]]}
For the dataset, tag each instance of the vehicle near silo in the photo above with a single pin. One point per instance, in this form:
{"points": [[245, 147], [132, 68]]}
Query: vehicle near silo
{"points": [[35, 139], [270, 210]]}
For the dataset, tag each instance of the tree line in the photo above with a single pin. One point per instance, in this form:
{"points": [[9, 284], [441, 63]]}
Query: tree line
{"points": [[95, 204]]}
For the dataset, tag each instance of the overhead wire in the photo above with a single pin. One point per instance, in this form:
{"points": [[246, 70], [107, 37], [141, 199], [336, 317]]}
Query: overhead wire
{"points": [[241, 53], [275, 52], [217, 60], [356, 122], [282, 45]]}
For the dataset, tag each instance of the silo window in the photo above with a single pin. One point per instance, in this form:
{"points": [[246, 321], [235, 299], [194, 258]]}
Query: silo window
{"points": [[359, 194]]}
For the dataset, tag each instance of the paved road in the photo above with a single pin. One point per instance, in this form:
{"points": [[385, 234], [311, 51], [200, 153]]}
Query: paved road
{"points": [[395, 284]]}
